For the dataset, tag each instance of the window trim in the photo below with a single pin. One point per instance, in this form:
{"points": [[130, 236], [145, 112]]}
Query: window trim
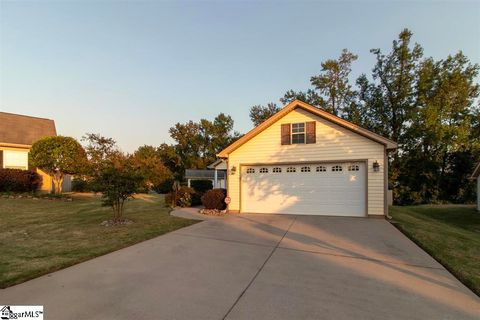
{"points": [[304, 133]]}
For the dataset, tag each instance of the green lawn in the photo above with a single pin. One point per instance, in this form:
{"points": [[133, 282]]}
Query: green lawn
{"points": [[449, 233], [41, 236]]}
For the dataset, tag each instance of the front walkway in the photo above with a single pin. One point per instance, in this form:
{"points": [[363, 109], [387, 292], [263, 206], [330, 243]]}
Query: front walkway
{"points": [[257, 267]]}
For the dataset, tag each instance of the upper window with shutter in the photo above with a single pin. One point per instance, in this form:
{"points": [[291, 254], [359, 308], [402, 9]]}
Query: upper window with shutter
{"points": [[298, 133]]}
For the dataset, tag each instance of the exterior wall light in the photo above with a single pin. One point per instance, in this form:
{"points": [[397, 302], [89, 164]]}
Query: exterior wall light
{"points": [[233, 169], [376, 166]]}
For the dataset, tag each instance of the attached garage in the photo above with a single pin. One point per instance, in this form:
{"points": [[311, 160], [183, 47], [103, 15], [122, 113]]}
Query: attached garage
{"points": [[304, 160], [335, 189]]}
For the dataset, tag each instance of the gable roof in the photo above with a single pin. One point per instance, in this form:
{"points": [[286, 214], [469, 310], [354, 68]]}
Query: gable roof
{"points": [[16, 129], [476, 172], [314, 110]]}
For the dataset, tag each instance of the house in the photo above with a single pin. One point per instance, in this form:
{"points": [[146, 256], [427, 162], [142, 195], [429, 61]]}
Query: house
{"points": [[216, 176], [476, 175], [17, 134], [304, 160]]}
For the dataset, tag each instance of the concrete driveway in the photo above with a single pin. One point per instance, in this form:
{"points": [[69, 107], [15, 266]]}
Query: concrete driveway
{"points": [[258, 267]]}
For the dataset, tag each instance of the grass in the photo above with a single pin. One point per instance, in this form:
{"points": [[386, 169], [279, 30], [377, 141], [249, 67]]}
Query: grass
{"points": [[41, 236], [449, 233]]}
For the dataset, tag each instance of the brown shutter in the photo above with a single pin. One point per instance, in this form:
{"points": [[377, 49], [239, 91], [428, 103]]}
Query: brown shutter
{"points": [[286, 134], [1, 159], [311, 136]]}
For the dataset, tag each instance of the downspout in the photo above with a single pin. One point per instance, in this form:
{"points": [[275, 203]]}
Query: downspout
{"points": [[385, 174]]}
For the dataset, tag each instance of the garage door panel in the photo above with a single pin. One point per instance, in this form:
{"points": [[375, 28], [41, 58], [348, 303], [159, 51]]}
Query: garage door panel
{"points": [[319, 193]]}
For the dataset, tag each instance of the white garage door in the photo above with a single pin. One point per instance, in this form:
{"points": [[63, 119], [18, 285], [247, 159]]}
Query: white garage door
{"points": [[336, 189]]}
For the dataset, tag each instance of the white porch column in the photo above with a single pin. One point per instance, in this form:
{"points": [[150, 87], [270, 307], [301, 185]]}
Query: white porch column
{"points": [[215, 179]]}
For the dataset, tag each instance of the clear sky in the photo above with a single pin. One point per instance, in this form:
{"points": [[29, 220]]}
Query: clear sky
{"points": [[132, 69]]}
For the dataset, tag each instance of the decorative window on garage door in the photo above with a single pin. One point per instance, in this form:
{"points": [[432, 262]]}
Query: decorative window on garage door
{"points": [[353, 167], [337, 168], [277, 170], [305, 169], [291, 169], [263, 170], [321, 169], [250, 170]]}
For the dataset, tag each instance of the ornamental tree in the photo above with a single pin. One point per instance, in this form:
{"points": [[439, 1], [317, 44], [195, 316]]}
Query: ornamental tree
{"points": [[58, 156], [118, 181]]}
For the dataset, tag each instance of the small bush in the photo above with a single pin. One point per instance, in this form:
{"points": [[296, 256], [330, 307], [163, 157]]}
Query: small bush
{"points": [[16, 180], [179, 198], [197, 198], [215, 199], [164, 187], [201, 186], [79, 185]]}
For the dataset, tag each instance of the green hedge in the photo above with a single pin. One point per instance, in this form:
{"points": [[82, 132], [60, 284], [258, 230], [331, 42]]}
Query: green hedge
{"points": [[16, 180], [201, 186]]}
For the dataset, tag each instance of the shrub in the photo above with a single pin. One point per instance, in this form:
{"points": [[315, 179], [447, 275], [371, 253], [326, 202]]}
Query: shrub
{"points": [[181, 197], [215, 199], [197, 198], [80, 185], [201, 186], [16, 180], [164, 187]]}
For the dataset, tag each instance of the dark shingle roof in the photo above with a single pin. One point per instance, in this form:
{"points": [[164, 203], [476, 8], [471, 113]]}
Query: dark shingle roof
{"points": [[19, 129]]}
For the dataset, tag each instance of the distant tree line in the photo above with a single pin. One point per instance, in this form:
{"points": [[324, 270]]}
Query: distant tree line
{"points": [[430, 107]]}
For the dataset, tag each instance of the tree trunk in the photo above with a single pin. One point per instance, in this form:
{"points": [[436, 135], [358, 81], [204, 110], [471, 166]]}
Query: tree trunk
{"points": [[57, 182]]}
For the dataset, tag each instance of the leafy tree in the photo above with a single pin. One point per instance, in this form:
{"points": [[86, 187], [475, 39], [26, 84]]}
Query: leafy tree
{"points": [[100, 151], [58, 156], [148, 163], [440, 130], [333, 85], [118, 181], [198, 143], [310, 96], [396, 75], [259, 113], [172, 160]]}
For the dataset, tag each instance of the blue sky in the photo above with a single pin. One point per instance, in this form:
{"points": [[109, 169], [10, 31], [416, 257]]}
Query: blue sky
{"points": [[132, 69]]}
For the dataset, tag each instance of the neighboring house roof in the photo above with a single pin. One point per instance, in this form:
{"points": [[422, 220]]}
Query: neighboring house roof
{"points": [[16, 129], [203, 174], [217, 163], [316, 111], [476, 172]]}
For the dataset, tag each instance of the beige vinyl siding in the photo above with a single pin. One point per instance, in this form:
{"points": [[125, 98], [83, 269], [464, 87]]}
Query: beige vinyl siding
{"points": [[334, 143]]}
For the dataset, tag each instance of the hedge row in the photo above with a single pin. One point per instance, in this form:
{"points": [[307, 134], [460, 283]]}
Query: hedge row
{"points": [[16, 180]]}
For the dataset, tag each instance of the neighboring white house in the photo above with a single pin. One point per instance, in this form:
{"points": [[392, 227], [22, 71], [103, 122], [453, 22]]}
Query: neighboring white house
{"points": [[217, 177], [304, 160], [476, 175], [17, 134]]}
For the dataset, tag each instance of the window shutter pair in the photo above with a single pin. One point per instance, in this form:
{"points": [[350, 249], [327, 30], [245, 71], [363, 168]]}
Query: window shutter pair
{"points": [[310, 133]]}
